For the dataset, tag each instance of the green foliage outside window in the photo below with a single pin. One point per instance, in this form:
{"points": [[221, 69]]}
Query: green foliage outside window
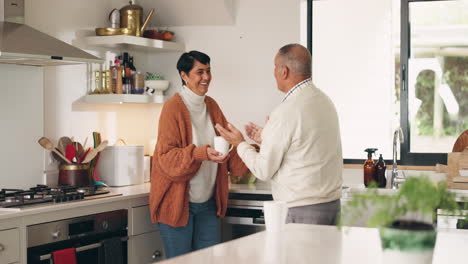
{"points": [[456, 76]]}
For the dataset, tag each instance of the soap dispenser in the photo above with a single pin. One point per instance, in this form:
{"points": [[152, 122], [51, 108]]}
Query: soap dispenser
{"points": [[369, 167], [380, 173]]}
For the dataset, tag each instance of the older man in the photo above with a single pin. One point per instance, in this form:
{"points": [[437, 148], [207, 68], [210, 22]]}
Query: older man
{"points": [[300, 148]]}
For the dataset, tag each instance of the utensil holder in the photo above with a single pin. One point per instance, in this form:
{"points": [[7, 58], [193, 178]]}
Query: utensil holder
{"points": [[75, 175]]}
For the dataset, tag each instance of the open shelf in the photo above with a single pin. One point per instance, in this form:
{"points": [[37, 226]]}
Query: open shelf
{"points": [[124, 98], [132, 42]]}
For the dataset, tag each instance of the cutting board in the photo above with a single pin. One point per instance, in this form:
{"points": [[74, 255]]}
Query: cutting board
{"points": [[101, 196], [457, 161]]}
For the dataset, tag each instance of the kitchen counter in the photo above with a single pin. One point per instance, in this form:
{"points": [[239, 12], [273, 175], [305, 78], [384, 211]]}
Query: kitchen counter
{"points": [[116, 194], [142, 190], [301, 243]]}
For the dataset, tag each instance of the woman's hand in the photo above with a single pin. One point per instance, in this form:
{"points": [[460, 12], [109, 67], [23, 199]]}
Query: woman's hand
{"points": [[254, 132], [216, 156]]}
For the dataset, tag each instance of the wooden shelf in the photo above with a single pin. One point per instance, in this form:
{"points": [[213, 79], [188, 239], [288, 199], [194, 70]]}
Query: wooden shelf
{"points": [[124, 98], [133, 43]]}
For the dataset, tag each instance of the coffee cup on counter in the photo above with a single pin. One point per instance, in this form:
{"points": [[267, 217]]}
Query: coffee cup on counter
{"points": [[221, 145], [275, 213]]}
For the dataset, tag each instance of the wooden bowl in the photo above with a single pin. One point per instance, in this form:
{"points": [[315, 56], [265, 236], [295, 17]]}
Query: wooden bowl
{"points": [[161, 35]]}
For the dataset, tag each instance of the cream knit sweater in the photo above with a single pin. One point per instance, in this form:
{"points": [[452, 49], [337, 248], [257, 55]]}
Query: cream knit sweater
{"points": [[203, 133], [301, 149]]}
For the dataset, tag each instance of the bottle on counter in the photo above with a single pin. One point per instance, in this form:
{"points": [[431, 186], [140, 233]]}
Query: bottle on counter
{"points": [[380, 168], [369, 167]]}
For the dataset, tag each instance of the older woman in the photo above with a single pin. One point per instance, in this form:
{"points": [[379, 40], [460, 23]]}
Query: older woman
{"points": [[189, 180]]}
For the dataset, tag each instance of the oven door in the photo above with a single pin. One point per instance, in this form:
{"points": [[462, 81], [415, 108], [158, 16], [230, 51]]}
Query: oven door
{"points": [[241, 221], [89, 250]]}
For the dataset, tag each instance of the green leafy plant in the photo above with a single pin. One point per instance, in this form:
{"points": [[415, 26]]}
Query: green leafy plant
{"points": [[417, 195], [153, 76]]}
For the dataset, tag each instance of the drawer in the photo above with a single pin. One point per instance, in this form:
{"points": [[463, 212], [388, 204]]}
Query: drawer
{"points": [[141, 221], [146, 248], [9, 245]]}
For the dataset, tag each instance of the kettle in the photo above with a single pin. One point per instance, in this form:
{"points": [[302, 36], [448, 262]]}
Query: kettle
{"points": [[131, 17]]}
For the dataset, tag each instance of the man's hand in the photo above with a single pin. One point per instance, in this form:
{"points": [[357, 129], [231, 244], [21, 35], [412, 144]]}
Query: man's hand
{"points": [[231, 134], [254, 132], [216, 156]]}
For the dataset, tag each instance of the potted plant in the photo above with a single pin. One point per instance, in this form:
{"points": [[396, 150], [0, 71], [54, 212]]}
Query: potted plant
{"points": [[405, 218]]}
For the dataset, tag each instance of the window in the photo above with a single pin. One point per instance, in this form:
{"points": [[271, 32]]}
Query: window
{"points": [[434, 60], [389, 64]]}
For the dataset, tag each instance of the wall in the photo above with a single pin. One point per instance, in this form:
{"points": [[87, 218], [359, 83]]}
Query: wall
{"points": [[21, 125], [242, 62], [241, 56]]}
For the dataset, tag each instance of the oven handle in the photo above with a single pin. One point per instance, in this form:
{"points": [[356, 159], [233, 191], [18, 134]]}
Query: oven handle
{"points": [[236, 220], [80, 249]]}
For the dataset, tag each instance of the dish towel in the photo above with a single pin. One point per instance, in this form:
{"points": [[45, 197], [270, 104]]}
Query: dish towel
{"points": [[64, 256], [111, 251]]}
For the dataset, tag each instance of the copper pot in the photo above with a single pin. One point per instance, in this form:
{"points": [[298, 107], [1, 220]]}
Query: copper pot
{"points": [[75, 175]]}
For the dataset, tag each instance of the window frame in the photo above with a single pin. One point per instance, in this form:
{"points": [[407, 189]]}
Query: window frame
{"points": [[406, 157]]}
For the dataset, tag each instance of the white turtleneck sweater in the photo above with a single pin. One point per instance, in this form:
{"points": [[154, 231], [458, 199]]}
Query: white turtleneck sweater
{"points": [[203, 133]]}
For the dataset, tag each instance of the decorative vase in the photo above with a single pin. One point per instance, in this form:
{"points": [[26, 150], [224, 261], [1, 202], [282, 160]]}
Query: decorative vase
{"points": [[408, 243], [158, 85]]}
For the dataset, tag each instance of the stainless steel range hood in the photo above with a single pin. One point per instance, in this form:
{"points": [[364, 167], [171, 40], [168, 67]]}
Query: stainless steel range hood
{"points": [[22, 44]]}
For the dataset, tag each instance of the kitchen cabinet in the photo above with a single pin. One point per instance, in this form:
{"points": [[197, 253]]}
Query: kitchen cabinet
{"points": [[146, 248], [145, 242], [9, 246]]}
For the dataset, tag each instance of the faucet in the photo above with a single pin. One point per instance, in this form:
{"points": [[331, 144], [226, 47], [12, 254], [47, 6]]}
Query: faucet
{"points": [[396, 179]]}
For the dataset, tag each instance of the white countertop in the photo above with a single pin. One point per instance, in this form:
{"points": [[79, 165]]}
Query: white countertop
{"points": [[120, 193], [301, 243], [142, 190]]}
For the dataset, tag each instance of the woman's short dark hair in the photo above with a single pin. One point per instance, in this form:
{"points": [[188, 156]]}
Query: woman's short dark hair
{"points": [[187, 60]]}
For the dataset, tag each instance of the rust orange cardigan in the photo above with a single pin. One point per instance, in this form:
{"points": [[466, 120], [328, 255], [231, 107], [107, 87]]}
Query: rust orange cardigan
{"points": [[176, 160]]}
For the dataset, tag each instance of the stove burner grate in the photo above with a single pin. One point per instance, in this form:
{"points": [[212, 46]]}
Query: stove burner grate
{"points": [[46, 194]]}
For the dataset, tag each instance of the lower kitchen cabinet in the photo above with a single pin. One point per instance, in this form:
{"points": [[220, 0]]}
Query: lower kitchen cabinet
{"points": [[145, 243], [146, 248], [9, 246]]}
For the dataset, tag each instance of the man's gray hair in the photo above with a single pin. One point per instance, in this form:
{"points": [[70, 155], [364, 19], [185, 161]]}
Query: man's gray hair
{"points": [[297, 58]]}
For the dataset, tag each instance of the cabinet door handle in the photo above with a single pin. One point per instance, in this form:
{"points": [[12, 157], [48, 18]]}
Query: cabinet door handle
{"points": [[2, 247], [156, 254]]}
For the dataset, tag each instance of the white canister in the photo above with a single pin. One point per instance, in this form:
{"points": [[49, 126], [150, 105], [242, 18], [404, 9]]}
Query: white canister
{"points": [[122, 165]]}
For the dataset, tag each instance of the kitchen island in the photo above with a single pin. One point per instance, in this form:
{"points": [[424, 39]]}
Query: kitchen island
{"points": [[301, 243]]}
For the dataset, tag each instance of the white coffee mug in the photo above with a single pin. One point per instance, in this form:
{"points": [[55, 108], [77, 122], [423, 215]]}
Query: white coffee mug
{"points": [[275, 213], [221, 145]]}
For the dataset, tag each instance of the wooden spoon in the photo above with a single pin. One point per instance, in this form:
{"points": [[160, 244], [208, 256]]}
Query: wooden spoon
{"points": [[62, 144], [79, 149], [92, 153], [47, 144]]}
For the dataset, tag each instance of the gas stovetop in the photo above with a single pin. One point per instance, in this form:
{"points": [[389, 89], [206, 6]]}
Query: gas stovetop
{"points": [[45, 194]]}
